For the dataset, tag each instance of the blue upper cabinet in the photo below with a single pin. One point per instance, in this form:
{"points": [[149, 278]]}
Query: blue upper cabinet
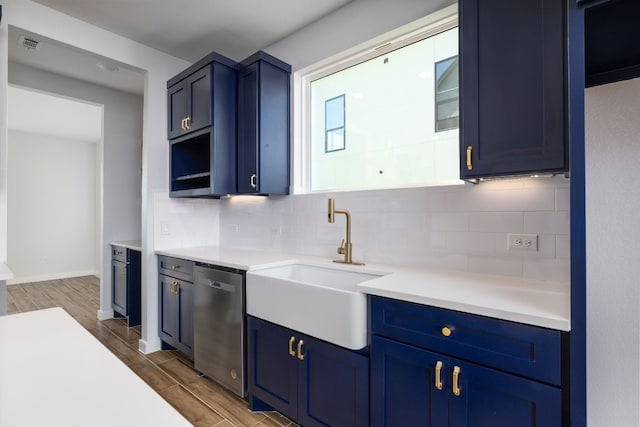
{"points": [[263, 125], [512, 87], [189, 103], [609, 27], [202, 128]]}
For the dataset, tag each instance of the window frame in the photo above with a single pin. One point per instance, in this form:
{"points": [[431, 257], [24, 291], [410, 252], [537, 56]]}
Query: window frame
{"points": [[432, 24]]}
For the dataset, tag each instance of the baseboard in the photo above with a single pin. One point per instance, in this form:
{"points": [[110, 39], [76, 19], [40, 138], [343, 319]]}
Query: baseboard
{"points": [[149, 346], [52, 276], [105, 314]]}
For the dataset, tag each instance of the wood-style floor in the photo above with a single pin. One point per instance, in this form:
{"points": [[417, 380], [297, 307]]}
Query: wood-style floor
{"points": [[200, 400]]}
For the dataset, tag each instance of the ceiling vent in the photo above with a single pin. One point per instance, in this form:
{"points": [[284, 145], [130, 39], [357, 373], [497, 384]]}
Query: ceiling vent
{"points": [[29, 43]]}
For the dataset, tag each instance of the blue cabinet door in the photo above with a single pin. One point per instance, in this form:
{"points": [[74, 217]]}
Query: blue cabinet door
{"points": [[492, 398], [199, 96], [263, 125], [512, 87], [248, 136], [333, 386], [119, 286], [177, 109], [184, 299], [273, 371], [168, 311], [404, 392], [189, 103], [403, 386], [134, 291]]}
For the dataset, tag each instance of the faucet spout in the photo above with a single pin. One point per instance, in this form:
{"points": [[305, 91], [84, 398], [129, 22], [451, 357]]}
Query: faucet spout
{"points": [[346, 247]]}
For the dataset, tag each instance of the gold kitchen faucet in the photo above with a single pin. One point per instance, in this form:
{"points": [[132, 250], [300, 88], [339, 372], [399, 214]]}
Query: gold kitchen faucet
{"points": [[345, 247]]}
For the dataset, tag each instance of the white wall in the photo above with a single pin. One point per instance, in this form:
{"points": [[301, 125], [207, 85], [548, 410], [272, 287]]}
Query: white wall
{"points": [[158, 68], [613, 248], [52, 215], [119, 160], [355, 23]]}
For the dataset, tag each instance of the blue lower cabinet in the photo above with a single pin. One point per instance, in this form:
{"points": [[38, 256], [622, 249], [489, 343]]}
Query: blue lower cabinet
{"points": [[411, 386], [125, 284], [176, 314], [313, 382]]}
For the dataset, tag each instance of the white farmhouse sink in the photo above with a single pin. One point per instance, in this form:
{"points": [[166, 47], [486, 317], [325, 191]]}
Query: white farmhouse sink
{"points": [[321, 301]]}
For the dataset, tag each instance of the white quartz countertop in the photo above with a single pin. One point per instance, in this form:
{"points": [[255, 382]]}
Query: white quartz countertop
{"points": [[55, 373], [136, 245], [5, 273], [538, 303]]}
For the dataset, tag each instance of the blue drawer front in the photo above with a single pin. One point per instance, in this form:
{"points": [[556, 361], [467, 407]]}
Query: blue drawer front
{"points": [[526, 350], [176, 267]]}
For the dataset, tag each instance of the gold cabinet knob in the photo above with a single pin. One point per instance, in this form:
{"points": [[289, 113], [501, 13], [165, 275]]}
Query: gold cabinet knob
{"points": [[446, 331]]}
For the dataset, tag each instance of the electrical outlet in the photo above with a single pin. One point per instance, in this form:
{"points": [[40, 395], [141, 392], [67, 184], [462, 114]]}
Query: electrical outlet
{"points": [[523, 242], [276, 230], [164, 229]]}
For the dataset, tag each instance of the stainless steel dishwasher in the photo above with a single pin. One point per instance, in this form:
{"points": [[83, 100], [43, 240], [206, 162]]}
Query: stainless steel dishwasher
{"points": [[219, 325]]}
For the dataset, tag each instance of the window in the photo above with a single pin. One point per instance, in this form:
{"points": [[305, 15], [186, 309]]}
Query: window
{"points": [[447, 110], [397, 107], [334, 124]]}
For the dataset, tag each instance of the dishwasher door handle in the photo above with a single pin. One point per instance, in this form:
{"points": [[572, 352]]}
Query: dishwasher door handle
{"points": [[222, 286]]}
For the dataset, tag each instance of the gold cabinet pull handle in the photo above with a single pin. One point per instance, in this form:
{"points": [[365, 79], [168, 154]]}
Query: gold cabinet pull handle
{"points": [[469, 163], [300, 355], [183, 124], [173, 287], [175, 267], [187, 123], [456, 379], [291, 350], [253, 180], [446, 332], [438, 377]]}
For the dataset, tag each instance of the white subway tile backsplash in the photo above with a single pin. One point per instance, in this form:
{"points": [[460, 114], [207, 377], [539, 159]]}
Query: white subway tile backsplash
{"points": [[513, 200], [549, 269], [471, 242], [498, 222], [562, 199], [461, 227], [496, 265], [546, 246], [450, 221], [546, 222], [563, 246]]}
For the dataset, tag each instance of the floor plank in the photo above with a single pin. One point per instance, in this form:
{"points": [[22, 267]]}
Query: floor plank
{"points": [[202, 401]]}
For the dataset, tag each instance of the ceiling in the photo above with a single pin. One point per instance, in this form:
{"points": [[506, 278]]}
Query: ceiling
{"points": [[68, 61], [188, 29]]}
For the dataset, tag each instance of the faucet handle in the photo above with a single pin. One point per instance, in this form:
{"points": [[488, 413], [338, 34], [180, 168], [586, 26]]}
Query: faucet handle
{"points": [[341, 249]]}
